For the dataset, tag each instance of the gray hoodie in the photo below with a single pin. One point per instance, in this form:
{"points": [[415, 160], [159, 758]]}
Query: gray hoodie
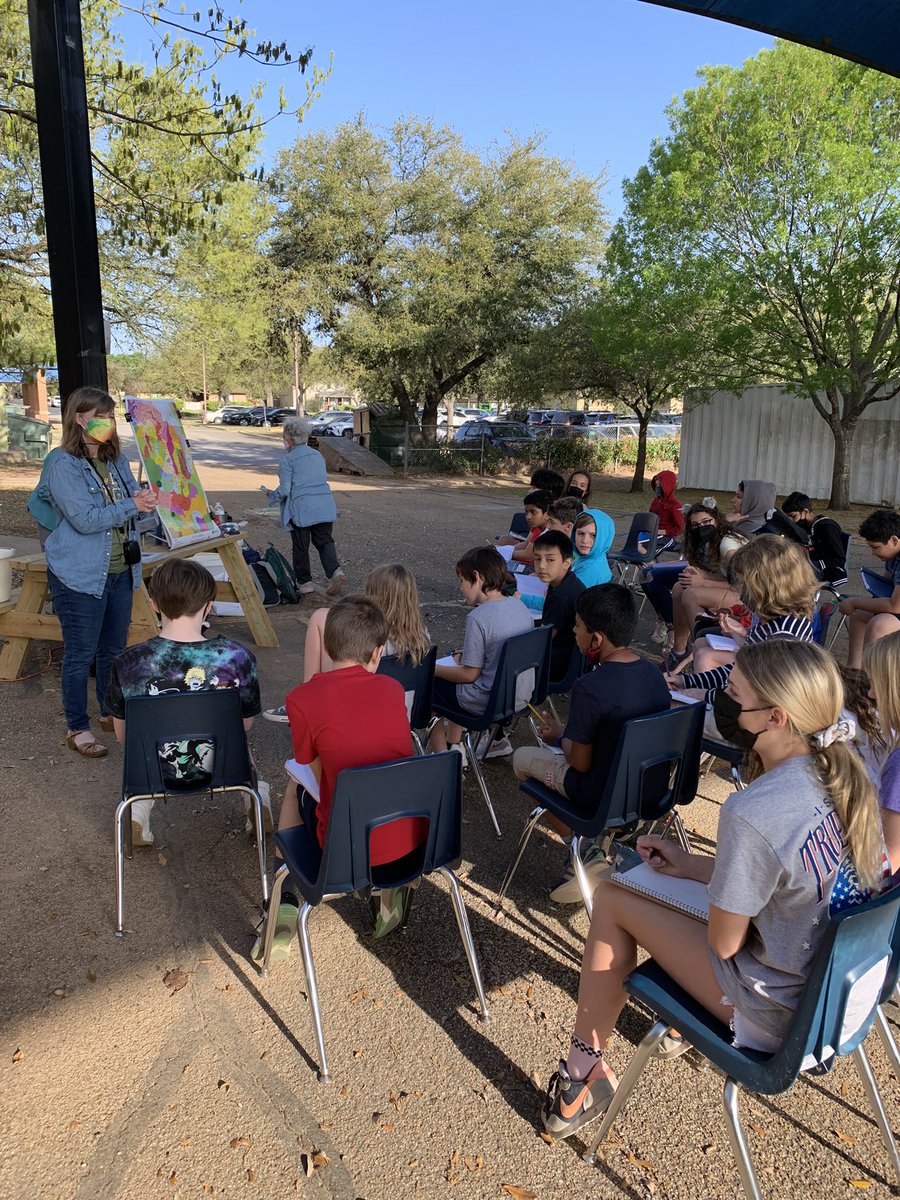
{"points": [[759, 497]]}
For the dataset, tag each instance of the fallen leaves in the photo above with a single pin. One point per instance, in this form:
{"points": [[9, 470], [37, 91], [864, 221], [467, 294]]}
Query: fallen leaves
{"points": [[859, 1184], [518, 1193], [844, 1137], [313, 1160], [239, 1141], [162, 860], [175, 980], [91, 976], [18, 1056]]}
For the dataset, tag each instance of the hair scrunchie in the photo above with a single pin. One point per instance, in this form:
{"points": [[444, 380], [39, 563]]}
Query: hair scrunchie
{"points": [[843, 730]]}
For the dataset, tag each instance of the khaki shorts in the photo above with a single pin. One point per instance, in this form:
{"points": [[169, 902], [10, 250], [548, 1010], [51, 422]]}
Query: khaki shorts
{"points": [[534, 762]]}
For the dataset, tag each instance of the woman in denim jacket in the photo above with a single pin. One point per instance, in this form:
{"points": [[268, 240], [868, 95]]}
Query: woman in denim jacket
{"points": [[307, 507], [96, 499]]}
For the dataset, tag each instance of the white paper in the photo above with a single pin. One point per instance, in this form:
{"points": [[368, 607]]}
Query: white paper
{"points": [[683, 698], [505, 552], [447, 661], [530, 585], [302, 773], [717, 642]]}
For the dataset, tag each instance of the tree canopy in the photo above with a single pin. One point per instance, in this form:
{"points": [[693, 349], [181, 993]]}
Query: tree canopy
{"points": [[422, 261], [778, 186], [168, 141]]}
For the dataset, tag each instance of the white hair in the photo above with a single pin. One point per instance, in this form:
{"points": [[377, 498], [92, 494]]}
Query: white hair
{"points": [[296, 430]]}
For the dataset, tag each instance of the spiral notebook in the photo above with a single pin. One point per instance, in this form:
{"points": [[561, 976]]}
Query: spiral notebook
{"points": [[684, 895]]}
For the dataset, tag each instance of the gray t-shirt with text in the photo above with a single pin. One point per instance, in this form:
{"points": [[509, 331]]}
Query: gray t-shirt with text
{"points": [[782, 860]]}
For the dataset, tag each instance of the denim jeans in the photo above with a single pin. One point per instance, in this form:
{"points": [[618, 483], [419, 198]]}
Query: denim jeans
{"points": [[658, 584], [92, 629], [323, 542]]}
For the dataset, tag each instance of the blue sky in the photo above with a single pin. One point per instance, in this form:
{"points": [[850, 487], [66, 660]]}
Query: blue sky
{"points": [[594, 75]]}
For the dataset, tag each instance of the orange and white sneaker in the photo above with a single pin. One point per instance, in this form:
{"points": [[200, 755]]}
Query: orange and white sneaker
{"points": [[572, 1103]]}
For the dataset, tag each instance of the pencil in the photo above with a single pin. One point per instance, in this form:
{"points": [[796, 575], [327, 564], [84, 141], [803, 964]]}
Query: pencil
{"points": [[540, 716]]}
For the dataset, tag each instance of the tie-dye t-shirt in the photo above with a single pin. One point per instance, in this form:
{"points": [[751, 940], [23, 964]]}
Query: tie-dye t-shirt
{"points": [[161, 667]]}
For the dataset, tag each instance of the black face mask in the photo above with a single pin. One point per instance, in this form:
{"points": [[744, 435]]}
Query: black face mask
{"points": [[807, 525], [727, 711], [576, 491], [704, 533], [658, 491]]}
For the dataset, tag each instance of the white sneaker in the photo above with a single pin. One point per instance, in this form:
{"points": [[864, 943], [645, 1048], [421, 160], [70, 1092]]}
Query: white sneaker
{"points": [[502, 748], [140, 823], [306, 589], [596, 867], [659, 633]]}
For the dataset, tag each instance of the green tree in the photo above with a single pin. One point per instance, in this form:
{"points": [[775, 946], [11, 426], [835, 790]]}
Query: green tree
{"points": [[421, 261], [778, 183], [167, 142]]}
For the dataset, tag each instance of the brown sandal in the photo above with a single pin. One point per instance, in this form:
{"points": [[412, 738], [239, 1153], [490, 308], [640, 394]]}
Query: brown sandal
{"points": [[106, 724], [93, 749]]}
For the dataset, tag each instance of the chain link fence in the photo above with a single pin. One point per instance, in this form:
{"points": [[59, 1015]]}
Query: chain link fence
{"points": [[416, 455]]}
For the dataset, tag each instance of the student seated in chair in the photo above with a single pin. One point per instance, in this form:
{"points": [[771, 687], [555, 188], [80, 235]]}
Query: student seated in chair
{"points": [[800, 843], [871, 617], [347, 717], [621, 686], [181, 659], [820, 536], [553, 566], [562, 514]]}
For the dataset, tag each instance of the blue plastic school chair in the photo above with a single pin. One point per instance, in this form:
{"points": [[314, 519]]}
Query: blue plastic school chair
{"points": [[655, 768], [524, 652], [851, 964], [878, 586], [642, 547], [417, 681], [729, 754], [578, 666], [518, 526], [158, 729], [366, 799]]}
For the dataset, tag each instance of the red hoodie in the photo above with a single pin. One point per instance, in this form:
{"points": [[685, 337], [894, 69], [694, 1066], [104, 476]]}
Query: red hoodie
{"points": [[666, 507]]}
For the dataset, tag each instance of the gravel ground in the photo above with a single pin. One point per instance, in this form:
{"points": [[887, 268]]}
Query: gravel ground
{"points": [[163, 1065]]}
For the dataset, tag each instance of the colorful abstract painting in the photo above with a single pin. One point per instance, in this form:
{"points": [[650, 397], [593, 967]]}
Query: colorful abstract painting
{"points": [[169, 469]]}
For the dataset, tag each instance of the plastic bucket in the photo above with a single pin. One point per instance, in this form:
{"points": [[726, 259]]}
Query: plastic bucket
{"points": [[5, 574]]}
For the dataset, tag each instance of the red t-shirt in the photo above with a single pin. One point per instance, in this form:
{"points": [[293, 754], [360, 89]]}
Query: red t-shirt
{"points": [[351, 718]]}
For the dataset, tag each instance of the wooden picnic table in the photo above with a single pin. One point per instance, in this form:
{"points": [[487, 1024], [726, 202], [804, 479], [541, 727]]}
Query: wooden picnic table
{"points": [[22, 619]]}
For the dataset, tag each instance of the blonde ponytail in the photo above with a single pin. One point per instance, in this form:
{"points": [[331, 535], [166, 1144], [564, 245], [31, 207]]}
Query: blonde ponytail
{"points": [[803, 680]]}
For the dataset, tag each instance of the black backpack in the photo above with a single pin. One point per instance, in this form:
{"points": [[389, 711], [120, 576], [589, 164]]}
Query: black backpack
{"points": [[285, 578], [267, 584]]}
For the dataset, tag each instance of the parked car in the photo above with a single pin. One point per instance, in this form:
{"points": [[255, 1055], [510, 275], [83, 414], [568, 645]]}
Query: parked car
{"points": [[333, 424], [623, 429], [238, 415], [494, 433], [274, 416], [55, 401], [599, 418], [217, 416]]}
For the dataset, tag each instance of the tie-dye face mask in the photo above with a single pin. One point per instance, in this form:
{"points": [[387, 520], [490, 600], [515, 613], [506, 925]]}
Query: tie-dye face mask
{"points": [[101, 429]]}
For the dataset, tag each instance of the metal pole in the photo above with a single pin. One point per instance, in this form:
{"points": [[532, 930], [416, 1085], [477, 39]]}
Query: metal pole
{"points": [[60, 97], [296, 372], [203, 363]]}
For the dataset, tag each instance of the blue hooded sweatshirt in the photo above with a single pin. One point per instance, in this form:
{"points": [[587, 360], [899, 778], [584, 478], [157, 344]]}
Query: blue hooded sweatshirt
{"points": [[593, 568]]}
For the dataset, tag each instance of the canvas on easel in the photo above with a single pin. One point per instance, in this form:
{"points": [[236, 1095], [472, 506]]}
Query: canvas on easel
{"points": [[169, 469]]}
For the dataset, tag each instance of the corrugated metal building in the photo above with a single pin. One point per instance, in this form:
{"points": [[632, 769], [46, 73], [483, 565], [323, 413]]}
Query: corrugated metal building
{"points": [[765, 433]]}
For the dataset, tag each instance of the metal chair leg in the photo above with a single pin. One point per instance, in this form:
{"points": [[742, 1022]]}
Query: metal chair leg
{"points": [[271, 918], [681, 833], [736, 779], [553, 711], [738, 1142], [121, 808], [465, 932], [587, 896], [626, 1086], [259, 821], [867, 1078], [533, 818], [417, 742], [476, 767], [312, 987], [890, 1046], [840, 625]]}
